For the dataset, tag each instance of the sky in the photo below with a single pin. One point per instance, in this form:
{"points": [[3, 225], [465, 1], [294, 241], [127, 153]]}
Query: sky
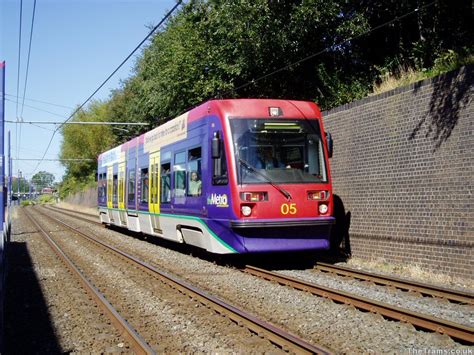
{"points": [[76, 45]]}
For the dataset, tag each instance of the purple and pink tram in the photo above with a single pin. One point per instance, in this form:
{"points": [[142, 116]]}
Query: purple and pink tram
{"points": [[229, 176]]}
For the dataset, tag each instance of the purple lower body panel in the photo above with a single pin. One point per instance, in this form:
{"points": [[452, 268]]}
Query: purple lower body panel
{"points": [[274, 236], [262, 245]]}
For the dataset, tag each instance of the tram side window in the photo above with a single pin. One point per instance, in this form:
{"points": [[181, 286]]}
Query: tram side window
{"points": [[131, 185], [165, 183], [104, 185], [180, 174], [144, 184], [101, 186], [115, 189], [194, 172]]}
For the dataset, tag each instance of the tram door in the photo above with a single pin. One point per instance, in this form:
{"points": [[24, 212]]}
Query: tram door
{"points": [[121, 193], [121, 186], [154, 191], [110, 186]]}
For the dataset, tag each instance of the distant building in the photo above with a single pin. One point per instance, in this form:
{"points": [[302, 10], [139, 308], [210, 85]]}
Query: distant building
{"points": [[47, 190]]}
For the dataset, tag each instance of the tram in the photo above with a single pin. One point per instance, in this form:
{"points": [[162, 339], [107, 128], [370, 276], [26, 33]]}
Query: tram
{"points": [[229, 176]]}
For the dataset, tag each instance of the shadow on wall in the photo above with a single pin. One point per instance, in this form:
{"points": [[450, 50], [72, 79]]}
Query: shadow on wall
{"points": [[340, 231], [451, 93]]}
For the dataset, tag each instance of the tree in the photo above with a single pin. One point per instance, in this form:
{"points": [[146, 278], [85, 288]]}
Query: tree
{"points": [[327, 51], [24, 186], [86, 141], [42, 179]]}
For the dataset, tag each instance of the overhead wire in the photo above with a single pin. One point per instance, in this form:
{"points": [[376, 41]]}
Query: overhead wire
{"points": [[253, 81], [168, 14], [19, 55], [39, 109], [18, 72], [29, 55], [27, 70], [39, 101]]}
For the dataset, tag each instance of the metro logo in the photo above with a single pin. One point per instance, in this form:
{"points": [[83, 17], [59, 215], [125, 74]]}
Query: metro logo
{"points": [[218, 200]]}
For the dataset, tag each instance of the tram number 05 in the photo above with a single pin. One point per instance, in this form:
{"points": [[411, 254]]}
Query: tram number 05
{"points": [[288, 208]]}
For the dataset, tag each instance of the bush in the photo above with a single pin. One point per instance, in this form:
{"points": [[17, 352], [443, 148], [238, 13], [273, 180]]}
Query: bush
{"points": [[44, 199]]}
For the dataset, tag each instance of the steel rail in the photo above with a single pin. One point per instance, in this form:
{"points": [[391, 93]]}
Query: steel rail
{"points": [[403, 284], [399, 283], [277, 336], [138, 344], [66, 210], [456, 331], [74, 214]]}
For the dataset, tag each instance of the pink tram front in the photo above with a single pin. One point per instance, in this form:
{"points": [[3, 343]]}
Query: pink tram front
{"points": [[229, 176]]}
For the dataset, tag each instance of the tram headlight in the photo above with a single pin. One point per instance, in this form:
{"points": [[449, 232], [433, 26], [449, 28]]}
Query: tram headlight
{"points": [[323, 208], [246, 210]]}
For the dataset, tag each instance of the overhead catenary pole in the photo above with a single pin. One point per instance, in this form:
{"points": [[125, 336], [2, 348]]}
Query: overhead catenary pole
{"points": [[2, 146], [10, 170], [5, 232], [18, 180]]}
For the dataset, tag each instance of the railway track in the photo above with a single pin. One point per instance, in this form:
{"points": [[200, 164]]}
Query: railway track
{"points": [[137, 343], [277, 336], [456, 331], [87, 216], [423, 289]]}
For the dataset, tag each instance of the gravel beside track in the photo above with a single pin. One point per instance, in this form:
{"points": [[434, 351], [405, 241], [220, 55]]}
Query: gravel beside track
{"points": [[315, 319], [46, 309], [169, 321], [462, 314]]}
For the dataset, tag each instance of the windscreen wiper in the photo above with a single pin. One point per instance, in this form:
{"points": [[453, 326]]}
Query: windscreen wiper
{"points": [[253, 169]]}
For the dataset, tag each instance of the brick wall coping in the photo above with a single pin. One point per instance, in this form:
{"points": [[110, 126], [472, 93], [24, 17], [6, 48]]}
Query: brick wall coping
{"points": [[410, 87]]}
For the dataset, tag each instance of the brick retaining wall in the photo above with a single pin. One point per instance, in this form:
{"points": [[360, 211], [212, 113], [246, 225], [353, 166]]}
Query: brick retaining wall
{"points": [[403, 168], [86, 198]]}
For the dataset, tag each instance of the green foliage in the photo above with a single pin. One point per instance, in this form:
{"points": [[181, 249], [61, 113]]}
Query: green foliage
{"points": [[214, 48], [444, 63], [231, 49], [23, 185], [71, 185], [45, 199], [26, 202], [42, 179], [451, 60], [86, 142]]}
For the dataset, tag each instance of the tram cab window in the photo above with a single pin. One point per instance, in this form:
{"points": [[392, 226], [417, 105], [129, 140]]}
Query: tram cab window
{"points": [[144, 185], [179, 170], [194, 172], [165, 183], [286, 152], [131, 185]]}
